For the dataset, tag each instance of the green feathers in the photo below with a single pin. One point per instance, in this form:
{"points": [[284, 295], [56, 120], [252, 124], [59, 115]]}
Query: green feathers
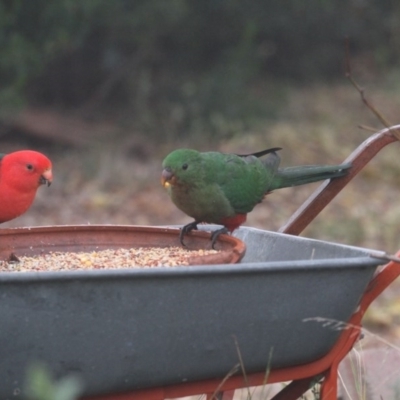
{"points": [[295, 176], [213, 186]]}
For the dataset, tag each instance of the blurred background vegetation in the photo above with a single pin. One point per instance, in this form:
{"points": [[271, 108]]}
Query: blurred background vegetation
{"points": [[184, 67]]}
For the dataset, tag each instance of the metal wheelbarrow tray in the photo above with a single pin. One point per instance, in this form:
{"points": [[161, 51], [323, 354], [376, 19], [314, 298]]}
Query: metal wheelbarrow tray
{"points": [[122, 330]]}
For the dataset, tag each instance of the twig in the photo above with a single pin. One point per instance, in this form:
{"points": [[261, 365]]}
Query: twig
{"points": [[228, 375], [242, 366], [364, 99], [367, 128]]}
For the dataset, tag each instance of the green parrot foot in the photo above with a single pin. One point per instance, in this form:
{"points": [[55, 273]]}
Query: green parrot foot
{"points": [[193, 226], [186, 229], [215, 235]]}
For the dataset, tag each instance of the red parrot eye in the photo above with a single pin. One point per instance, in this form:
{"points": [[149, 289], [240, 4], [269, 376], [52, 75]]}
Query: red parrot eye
{"points": [[185, 167], [29, 167]]}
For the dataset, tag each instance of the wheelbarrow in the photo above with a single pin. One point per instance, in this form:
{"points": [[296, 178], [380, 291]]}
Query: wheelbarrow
{"points": [[290, 311], [319, 365]]}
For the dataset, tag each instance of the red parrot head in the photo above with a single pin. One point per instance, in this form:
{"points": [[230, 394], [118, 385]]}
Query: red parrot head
{"points": [[26, 170]]}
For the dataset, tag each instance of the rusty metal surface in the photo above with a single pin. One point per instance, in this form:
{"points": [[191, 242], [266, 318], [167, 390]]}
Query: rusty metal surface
{"points": [[33, 241], [322, 196]]}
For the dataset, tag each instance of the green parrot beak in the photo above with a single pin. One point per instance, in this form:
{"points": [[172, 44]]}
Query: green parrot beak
{"points": [[167, 177]]}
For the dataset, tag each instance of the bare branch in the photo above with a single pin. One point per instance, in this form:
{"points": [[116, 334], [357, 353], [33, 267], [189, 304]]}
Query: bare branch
{"points": [[364, 99]]}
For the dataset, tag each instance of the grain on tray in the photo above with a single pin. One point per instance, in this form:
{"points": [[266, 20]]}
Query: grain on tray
{"points": [[140, 257]]}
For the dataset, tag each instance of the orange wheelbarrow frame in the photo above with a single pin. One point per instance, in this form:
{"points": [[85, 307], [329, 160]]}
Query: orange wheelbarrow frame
{"points": [[302, 377]]}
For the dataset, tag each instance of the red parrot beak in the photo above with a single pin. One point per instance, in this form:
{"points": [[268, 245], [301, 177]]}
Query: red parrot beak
{"points": [[46, 178], [167, 177]]}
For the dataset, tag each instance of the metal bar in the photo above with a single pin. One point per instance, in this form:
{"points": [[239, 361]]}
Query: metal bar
{"points": [[306, 213], [295, 389]]}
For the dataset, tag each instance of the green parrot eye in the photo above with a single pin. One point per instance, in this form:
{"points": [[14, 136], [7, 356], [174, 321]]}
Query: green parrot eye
{"points": [[185, 167]]}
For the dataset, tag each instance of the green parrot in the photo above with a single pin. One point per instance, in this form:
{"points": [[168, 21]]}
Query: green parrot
{"points": [[220, 188]]}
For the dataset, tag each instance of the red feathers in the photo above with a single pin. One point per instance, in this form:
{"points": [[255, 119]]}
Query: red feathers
{"points": [[231, 223], [21, 173]]}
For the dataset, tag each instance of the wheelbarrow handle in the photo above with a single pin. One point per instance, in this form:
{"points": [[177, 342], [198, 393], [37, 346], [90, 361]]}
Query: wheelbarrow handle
{"points": [[330, 188]]}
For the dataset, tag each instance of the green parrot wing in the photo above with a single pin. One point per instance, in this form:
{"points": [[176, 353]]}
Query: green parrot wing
{"points": [[244, 180]]}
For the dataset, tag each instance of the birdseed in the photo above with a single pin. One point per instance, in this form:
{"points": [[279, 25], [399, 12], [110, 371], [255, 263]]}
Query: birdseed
{"points": [[140, 257]]}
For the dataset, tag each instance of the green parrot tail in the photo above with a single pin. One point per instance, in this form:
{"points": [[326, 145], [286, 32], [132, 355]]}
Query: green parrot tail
{"points": [[295, 176]]}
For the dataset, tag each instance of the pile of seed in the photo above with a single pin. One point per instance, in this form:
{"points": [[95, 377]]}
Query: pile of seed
{"points": [[140, 257]]}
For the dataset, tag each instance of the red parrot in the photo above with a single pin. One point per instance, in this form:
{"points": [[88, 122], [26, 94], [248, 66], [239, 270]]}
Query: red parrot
{"points": [[21, 173]]}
